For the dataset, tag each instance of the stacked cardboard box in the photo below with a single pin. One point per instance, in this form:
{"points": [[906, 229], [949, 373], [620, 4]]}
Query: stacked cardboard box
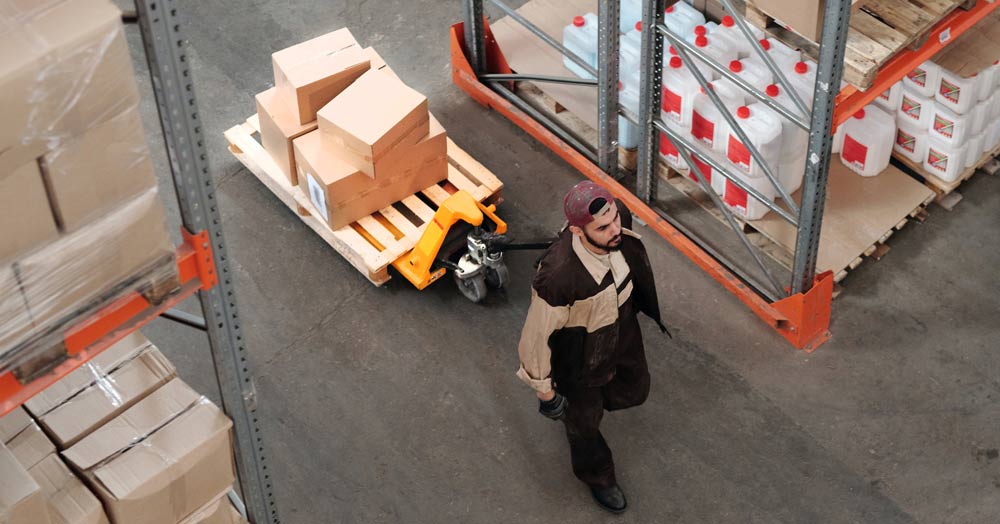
{"points": [[137, 446], [81, 217], [345, 129]]}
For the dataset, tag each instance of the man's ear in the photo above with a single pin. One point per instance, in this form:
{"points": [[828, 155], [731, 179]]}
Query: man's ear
{"points": [[576, 230]]}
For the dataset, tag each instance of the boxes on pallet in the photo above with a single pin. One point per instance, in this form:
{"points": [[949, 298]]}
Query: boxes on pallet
{"points": [[805, 17], [68, 501], [279, 126], [945, 161], [26, 221], [21, 498], [373, 117], [96, 395], [378, 64], [911, 142], [13, 423], [30, 446], [184, 459], [90, 174], [310, 74], [62, 69], [219, 511]]}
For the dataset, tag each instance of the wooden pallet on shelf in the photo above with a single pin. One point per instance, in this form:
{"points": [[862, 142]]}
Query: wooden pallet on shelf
{"points": [[373, 242], [946, 194], [880, 29]]}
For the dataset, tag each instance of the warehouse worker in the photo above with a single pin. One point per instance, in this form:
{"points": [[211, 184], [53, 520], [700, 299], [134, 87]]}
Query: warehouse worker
{"points": [[581, 348]]}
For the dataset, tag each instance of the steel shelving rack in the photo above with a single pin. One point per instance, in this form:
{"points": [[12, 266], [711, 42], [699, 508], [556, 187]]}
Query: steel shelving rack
{"points": [[202, 263], [799, 310]]}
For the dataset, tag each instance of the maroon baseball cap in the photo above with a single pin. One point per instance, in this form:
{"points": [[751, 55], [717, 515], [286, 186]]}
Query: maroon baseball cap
{"points": [[579, 199]]}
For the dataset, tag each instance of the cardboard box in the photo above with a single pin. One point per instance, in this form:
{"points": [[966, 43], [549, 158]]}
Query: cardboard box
{"points": [[342, 194], [26, 221], [92, 174], [12, 424], [974, 51], [310, 74], [106, 397], [30, 446], [184, 459], [219, 511], [805, 17], [278, 127], [376, 114], [97, 262], [67, 499], [15, 321], [61, 70], [378, 64], [21, 498]]}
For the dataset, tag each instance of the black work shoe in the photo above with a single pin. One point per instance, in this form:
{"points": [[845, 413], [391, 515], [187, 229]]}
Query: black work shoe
{"points": [[611, 499]]}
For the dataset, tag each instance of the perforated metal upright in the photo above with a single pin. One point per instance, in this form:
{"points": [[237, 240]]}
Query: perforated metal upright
{"points": [[170, 69]]}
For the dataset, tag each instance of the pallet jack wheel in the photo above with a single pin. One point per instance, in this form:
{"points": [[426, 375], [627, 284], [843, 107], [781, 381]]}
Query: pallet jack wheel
{"points": [[474, 288], [497, 277]]}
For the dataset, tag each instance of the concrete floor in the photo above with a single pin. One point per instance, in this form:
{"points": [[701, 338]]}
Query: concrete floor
{"points": [[392, 405]]}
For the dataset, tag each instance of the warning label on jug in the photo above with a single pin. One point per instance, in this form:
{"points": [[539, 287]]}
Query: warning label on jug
{"points": [[911, 107], [705, 169], [672, 104], [738, 154], [702, 129], [854, 153], [918, 76], [943, 126], [906, 141], [950, 91], [668, 150], [937, 160], [735, 198]]}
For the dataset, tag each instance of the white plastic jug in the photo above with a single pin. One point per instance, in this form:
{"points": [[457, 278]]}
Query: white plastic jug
{"points": [[956, 93], [889, 100], [868, 140], [716, 180], [718, 50], [950, 127], [924, 79], [630, 49], [744, 205], [838, 140], [763, 127], [975, 152], [992, 136], [802, 76], [707, 123], [728, 31], [794, 144], [944, 160], [915, 109], [784, 57], [706, 70], [630, 12], [753, 70], [987, 82], [911, 142], [979, 115], [628, 133], [580, 37], [993, 102], [669, 153], [681, 18], [679, 90]]}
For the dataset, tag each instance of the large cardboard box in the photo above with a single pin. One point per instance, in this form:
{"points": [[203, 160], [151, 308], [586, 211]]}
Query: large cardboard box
{"points": [[21, 498], [105, 397], [373, 116], [279, 125], [15, 321], [30, 446], [343, 194], [378, 63], [67, 499], [182, 461], [62, 68], [977, 49], [805, 17], [26, 221], [219, 511], [310, 74], [95, 262], [93, 173]]}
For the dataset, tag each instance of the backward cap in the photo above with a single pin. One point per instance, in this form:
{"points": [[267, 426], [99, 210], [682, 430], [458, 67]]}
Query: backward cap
{"points": [[577, 203]]}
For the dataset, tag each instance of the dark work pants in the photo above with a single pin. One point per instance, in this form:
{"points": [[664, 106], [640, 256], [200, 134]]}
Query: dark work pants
{"points": [[589, 452]]}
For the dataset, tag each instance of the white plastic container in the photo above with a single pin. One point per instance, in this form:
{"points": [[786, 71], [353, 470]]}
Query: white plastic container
{"points": [[717, 181], [630, 12], [744, 205], [950, 127], [911, 142], [956, 93], [987, 82], [628, 133], [993, 103], [794, 144], [838, 141], [670, 155], [992, 136], [681, 18], [728, 31], [915, 109], [753, 70], [975, 151], [718, 50], [802, 76], [630, 50], [707, 124], [868, 141], [980, 113], [945, 161], [889, 100], [580, 37], [785, 57], [924, 79], [763, 127], [699, 30], [679, 90], [706, 70]]}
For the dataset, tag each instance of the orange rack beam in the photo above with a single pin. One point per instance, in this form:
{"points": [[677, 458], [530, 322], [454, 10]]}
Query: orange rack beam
{"points": [[93, 334], [850, 99], [803, 319]]}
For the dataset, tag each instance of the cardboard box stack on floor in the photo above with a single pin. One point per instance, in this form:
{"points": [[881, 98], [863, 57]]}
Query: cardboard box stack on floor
{"points": [[344, 128], [79, 211], [121, 440]]}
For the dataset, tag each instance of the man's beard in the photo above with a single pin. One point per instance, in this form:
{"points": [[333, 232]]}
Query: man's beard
{"points": [[602, 246]]}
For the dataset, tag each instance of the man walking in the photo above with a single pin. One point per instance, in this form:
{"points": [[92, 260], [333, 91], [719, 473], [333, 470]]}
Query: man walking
{"points": [[581, 348]]}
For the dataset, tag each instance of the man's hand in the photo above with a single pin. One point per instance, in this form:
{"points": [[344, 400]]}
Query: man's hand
{"points": [[553, 408]]}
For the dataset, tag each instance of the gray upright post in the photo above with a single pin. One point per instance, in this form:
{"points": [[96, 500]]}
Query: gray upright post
{"points": [[836, 21], [607, 86], [475, 35], [650, 78], [170, 69]]}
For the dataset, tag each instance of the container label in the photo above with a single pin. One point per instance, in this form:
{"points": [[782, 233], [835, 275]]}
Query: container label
{"points": [[738, 154], [885, 95], [943, 126], [906, 141], [702, 129], [318, 197], [705, 169], [937, 160], [672, 104], [950, 91], [854, 153], [911, 107], [735, 198], [668, 150], [918, 76]]}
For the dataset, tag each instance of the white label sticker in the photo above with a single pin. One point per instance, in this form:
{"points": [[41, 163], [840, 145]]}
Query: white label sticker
{"points": [[318, 197], [945, 35]]}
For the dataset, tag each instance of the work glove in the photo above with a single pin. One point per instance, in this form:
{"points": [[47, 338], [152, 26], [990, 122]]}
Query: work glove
{"points": [[555, 408]]}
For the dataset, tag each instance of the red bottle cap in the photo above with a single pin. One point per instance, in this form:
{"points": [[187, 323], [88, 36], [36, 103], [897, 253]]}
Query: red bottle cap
{"points": [[736, 66], [579, 21], [675, 62], [765, 44], [638, 25], [701, 41], [772, 90], [801, 68], [700, 30], [673, 51], [743, 112], [621, 86], [727, 21], [669, 9], [860, 115]]}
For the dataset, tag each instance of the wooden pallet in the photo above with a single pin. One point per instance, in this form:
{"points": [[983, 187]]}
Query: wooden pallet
{"points": [[879, 30], [373, 242], [947, 195]]}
